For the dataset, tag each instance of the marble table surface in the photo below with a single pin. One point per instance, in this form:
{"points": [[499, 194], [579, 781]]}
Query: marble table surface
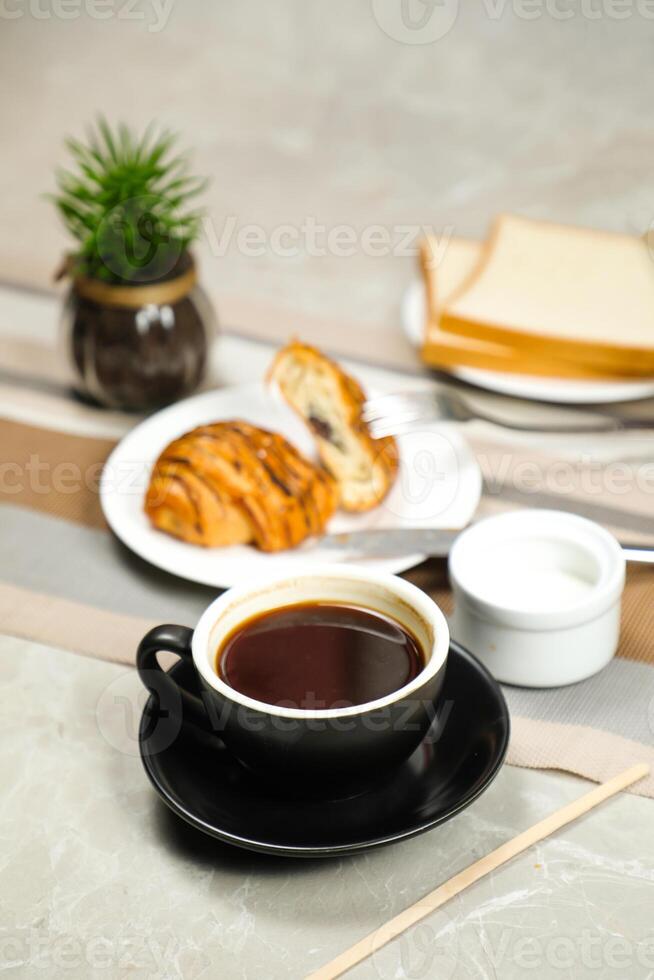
{"points": [[98, 879]]}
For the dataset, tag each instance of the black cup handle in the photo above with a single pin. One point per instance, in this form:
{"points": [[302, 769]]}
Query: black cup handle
{"points": [[165, 690]]}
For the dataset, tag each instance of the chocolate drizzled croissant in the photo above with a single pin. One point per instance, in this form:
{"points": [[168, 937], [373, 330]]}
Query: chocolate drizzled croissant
{"points": [[233, 483]]}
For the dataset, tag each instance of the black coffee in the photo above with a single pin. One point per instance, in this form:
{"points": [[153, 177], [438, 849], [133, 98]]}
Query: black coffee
{"points": [[318, 656]]}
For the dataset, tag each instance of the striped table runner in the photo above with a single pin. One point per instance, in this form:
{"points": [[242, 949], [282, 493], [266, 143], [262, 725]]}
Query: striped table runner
{"points": [[67, 582]]}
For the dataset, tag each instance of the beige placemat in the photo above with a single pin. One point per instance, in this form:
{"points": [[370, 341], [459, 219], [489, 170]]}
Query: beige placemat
{"points": [[65, 581]]}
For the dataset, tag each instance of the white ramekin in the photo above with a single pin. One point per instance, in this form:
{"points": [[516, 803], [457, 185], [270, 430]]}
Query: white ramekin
{"points": [[527, 635]]}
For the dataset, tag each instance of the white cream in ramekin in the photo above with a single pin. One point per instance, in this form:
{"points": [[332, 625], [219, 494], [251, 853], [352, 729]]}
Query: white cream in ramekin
{"points": [[537, 596]]}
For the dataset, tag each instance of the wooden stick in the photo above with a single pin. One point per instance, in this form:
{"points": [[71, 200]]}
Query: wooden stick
{"points": [[390, 930]]}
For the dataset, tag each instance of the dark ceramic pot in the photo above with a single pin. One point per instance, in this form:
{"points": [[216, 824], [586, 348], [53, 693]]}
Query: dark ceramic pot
{"points": [[138, 347], [360, 742]]}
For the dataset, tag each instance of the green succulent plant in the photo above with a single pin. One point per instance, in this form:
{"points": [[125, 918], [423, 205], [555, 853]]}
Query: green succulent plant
{"points": [[127, 203]]}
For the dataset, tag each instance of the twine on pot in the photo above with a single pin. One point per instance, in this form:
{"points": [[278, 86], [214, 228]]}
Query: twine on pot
{"points": [[108, 294]]}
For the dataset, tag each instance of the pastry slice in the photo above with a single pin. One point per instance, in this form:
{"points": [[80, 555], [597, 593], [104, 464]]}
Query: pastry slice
{"points": [[234, 483], [330, 402]]}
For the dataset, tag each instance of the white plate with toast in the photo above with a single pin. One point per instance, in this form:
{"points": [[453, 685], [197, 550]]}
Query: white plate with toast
{"points": [[512, 303], [438, 486], [558, 390]]}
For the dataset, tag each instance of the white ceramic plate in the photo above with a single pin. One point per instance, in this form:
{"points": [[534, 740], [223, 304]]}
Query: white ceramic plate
{"points": [[522, 385], [439, 485]]}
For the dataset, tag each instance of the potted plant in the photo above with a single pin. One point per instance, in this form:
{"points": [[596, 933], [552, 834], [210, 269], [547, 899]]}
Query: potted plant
{"points": [[136, 325]]}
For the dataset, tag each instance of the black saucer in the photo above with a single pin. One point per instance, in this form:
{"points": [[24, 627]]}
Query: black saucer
{"points": [[202, 782]]}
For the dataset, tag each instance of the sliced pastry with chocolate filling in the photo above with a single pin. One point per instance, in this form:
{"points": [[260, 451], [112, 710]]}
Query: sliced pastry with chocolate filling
{"points": [[330, 402], [233, 483]]}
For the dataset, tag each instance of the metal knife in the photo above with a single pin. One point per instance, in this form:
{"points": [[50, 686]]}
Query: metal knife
{"points": [[431, 542], [386, 542]]}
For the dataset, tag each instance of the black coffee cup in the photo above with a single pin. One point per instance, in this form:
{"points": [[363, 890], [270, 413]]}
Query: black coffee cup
{"points": [[356, 741]]}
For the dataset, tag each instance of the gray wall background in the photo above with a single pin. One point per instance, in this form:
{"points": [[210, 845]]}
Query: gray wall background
{"points": [[331, 113]]}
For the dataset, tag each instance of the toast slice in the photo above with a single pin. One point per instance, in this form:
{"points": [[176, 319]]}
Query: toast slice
{"points": [[330, 402], [441, 348], [574, 294]]}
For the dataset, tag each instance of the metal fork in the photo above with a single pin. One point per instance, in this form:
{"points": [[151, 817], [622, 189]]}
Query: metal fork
{"points": [[390, 414]]}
